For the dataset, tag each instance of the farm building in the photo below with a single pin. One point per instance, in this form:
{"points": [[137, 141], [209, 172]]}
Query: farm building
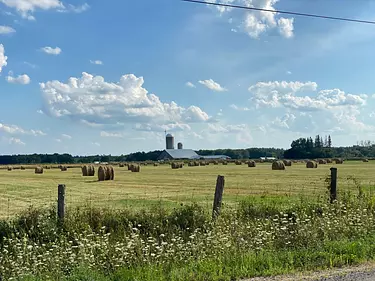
{"points": [[175, 154], [172, 154]]}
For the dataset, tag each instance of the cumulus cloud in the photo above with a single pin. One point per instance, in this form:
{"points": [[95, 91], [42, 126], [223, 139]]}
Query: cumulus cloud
{"points": [[190, 85], [26, 7], [95, 102], [212, 85], [283, 94], [256, 23], [97, 62], [51, 51], [3, 58], [6, 29], [23, 79], [16, 141], [16, 130]]}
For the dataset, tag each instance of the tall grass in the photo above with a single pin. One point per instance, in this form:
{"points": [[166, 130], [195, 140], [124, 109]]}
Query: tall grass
{"points": [[251, 239]]}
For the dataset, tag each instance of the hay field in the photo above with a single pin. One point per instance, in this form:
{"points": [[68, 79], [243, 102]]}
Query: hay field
{"points": [[163, 185]]}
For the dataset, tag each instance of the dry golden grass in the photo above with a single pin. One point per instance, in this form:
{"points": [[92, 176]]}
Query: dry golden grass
{"points": [[21, 188]]}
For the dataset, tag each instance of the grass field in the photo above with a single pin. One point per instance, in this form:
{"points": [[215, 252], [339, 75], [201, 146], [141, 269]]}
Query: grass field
{"points": [[154, 185]]}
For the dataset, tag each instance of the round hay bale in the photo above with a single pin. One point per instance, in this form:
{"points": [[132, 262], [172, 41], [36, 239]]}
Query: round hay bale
{"points": [[225, 163], [111, 173], [339, 161], [216, 162], [130, 167], [47, 167], [311, 165], [322, 161], [365, 160], [23, 168], [251, 164], [238, 162], [287, 163], [10, 168], [278, 165], [85, 171], [102, 171], [136, 168], [91, 171], [121, 165], [39, 170], [329, 161], [64, 168], [156, 164]]}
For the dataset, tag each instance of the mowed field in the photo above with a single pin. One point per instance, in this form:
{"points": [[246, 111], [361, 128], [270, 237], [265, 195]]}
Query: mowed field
{"points": [[162, 185]]}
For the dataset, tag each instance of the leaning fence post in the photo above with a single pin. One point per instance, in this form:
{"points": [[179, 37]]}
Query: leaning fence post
{"points": [[333, 189], [218, 196], [61, 202]]}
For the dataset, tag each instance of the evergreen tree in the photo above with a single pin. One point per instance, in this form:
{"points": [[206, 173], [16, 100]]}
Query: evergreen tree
{"points": [[326, 141], [317, 142], [329, 141], [321, 142]]}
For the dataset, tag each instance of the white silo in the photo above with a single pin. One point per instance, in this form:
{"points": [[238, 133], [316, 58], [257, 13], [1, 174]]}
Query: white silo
{"points": [[169, 139]]}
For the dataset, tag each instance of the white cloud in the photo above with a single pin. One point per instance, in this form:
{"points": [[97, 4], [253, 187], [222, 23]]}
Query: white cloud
{"points": [[52, 51], [190, 85], [27, 7], [6, 29], [105, 134], [256, 23], [218, 128], [3, 58], [97, 62], [289, 72], [95, 102], [58, 140], [212, 85], [23, 79], [283, 94], [235, 107], [16, 141], [95, 143], [285, 121], [15, 130], [40, 111], [30, 64], [286, 27], [161, 128], [66, 136]]}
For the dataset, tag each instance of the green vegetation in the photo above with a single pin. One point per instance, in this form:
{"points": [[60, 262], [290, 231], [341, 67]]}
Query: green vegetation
{"points": [[251, 239]]}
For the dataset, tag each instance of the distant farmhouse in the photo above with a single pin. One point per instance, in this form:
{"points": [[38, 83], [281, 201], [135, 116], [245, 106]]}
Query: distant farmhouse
{"points": [[182, 154]]}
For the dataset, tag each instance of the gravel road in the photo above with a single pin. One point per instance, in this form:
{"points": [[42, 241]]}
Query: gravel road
{"points": [[365, 272]]}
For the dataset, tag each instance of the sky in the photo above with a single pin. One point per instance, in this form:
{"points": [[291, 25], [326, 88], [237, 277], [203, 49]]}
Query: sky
{"points": [[110, 77]]}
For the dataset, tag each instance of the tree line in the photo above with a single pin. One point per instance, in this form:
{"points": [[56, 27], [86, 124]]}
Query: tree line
{"points": [[302, 148]]}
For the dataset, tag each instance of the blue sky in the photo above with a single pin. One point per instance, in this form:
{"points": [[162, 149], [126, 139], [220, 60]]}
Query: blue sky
{"points": [[110, 76]]}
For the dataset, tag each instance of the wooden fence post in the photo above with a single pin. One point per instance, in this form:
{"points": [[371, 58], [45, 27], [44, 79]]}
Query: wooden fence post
{"points": [[218, 196], [61, 202], [333, 189]]}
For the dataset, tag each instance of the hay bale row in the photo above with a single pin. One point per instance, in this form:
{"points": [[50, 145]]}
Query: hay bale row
{"points": [[106, 173], [278, 165], [287, 163], [88, 171], [311, 165], [39, 170], [176, 165]]}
